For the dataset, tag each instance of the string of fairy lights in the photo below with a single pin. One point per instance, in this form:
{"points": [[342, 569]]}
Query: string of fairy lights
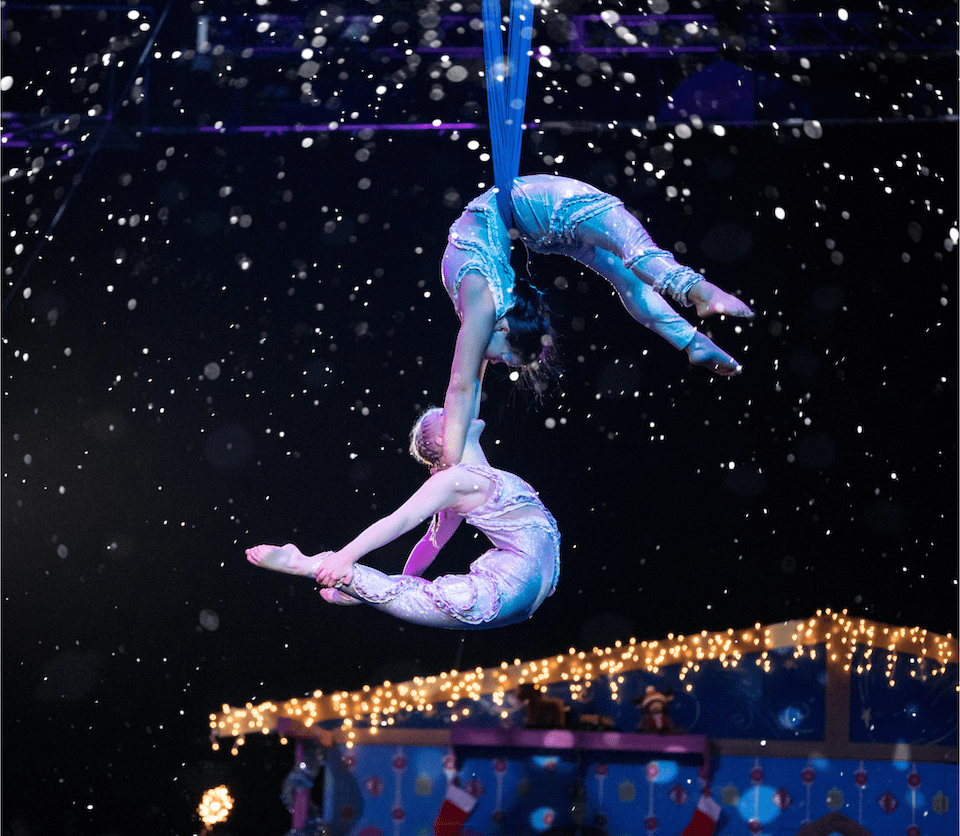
{"points": [[854, 643]]}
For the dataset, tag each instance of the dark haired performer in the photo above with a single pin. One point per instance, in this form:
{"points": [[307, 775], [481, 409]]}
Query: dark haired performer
{"points": [[505, 319]]}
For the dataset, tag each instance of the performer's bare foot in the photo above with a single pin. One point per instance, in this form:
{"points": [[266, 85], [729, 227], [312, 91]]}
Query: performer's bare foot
{"points": [[710, 299], [335, 596], [287, 558], [702, 351]]}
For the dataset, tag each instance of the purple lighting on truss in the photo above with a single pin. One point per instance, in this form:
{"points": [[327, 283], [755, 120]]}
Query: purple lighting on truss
{"points": [[267, 130]]}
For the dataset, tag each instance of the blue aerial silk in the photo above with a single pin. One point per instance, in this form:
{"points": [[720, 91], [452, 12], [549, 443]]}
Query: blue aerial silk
{"points": [[506, 77]]}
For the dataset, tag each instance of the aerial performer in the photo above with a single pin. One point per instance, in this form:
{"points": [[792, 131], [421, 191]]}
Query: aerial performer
{"points": [[504, 318], [505, 585]]}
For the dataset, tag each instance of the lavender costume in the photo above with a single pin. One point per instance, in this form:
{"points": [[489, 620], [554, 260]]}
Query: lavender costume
{"points": [[504, 585], [559, 215]]}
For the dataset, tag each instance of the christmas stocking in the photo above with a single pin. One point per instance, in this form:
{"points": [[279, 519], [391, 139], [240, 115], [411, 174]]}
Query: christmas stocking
{"points": [[457, 805], [704, 819]]}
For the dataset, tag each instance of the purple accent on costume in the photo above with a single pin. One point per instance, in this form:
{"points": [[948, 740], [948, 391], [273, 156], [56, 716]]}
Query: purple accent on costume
{"points": [[505, 585], [559, 215]]}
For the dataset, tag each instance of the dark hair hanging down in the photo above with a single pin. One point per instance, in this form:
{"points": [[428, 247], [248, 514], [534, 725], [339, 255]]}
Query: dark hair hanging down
{"points": [[532, 336]]}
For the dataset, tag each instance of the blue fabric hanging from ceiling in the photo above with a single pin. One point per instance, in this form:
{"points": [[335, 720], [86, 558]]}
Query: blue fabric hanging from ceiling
{"points": [[506, 76]]}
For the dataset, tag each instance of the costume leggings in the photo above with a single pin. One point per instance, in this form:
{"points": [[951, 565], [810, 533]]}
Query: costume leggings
{"points": [[615, 245], [475, 601]]}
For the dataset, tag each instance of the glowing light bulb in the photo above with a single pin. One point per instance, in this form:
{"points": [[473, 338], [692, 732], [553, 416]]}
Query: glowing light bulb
{"points": [[215, 806]]}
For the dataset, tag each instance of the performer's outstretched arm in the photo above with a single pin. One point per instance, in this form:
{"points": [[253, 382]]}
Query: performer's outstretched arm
{"points": [[443, 491], [461, 403], [440, 491]]}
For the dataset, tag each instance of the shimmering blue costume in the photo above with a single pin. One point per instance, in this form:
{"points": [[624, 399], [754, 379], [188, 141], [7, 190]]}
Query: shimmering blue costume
{"points": [[560, 215], [505, 585], [553, 214]]}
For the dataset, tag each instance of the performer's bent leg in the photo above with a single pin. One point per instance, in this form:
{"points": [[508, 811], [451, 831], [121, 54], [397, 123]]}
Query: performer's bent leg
{"points": [[454, 602], [477, 600], [651, 310], [639, 299], [620, 233]]}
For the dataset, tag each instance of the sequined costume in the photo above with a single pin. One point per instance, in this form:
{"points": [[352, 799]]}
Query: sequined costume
{"points": [[505, 585], [559, 215]]}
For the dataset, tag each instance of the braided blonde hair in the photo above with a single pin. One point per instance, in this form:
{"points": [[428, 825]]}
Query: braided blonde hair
{"points": [[426, 437]]}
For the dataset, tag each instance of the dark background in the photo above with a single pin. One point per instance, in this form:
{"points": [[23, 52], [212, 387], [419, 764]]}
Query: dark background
{"points": [[216, 335]]}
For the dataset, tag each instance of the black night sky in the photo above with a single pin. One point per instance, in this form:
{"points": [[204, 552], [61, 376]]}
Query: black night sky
{"points": [[217, 337]]}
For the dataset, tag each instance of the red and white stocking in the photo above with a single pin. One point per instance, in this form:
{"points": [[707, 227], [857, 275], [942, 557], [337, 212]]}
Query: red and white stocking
{"points": [[705, 817], [457, 805]]}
